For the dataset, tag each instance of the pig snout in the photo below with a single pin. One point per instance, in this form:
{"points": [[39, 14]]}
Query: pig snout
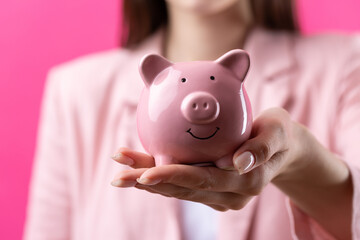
{"points": [[200, 108]]}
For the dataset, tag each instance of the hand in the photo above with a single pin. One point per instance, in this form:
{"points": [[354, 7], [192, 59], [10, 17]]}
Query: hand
{"points": [[279, 151], [268, 153]]}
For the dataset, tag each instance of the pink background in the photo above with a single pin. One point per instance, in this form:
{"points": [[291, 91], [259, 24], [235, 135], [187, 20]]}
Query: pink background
{"points": [[38, 34]]}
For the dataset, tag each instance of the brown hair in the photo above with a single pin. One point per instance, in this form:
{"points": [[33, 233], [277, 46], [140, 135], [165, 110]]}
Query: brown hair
{"points": [[141, 18]]}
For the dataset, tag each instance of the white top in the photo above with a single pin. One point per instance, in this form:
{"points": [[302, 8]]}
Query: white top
{"points": [[199, 221]]}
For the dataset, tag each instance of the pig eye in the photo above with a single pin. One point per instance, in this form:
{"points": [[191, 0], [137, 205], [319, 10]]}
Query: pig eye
{"points": [[183, 80], [212, 77]]}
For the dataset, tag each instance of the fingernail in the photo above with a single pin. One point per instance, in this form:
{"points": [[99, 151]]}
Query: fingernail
{"points": [[244, 162], [227, 168], [123, 159], [224, 165], [123, 183], [147, 181]]}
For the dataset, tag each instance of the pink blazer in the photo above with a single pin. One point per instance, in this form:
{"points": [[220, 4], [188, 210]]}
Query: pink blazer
{"points": [[89, 111]]}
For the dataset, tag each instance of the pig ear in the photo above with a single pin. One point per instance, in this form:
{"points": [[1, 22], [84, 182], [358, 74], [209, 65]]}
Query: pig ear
{"points": [[237, 61], [150, 66]]}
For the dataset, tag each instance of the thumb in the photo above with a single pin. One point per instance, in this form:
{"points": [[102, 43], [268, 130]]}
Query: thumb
{"points": [[269, 141]]}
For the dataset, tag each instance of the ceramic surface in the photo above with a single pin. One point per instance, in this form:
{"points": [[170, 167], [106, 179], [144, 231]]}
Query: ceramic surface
{"points": [[194, 112]]}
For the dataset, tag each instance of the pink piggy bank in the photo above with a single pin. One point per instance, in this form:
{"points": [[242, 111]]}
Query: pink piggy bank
{"points": [[194, 112]]}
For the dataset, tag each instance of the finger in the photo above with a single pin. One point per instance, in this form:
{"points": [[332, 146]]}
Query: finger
{"points": [[218, 207], [223, 200], [127, 178], [165, 194], [225, 163], [196, 178], [134, 159], [270, 137], [207, 179]]}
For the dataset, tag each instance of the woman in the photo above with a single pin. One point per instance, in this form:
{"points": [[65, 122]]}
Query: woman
{"points": [[297, 176]]}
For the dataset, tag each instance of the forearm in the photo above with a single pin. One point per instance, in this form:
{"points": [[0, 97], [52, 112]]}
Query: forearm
{"points": [[319, 183]]}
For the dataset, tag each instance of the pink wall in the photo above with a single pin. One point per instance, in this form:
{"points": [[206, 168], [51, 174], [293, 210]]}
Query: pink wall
{"points": [[329, 15], [35, 35], [38, 34]]}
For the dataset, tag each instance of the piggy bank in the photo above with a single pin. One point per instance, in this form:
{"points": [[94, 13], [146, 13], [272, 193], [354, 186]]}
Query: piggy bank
{"points": [[194, 112]]}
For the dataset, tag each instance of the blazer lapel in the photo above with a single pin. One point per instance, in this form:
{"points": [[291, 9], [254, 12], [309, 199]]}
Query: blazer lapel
{"points": [[273, 68]]}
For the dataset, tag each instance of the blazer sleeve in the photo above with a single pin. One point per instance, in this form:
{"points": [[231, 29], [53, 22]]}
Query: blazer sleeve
{"points": [[345, 142], [347, 131], [48, 214]]}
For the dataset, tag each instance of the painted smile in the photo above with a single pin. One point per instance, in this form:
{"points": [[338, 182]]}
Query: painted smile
{"points": [[203, 138]]}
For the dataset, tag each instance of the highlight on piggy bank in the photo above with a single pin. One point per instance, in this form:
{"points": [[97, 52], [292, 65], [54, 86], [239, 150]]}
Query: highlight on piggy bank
{"points": [[194, 112]]}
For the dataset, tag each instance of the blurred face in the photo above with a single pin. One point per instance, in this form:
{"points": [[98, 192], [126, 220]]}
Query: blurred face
{"points": [[203, 7]]}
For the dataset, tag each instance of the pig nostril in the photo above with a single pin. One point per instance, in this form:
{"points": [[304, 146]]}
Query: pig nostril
{"points": [[200, 108]]}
